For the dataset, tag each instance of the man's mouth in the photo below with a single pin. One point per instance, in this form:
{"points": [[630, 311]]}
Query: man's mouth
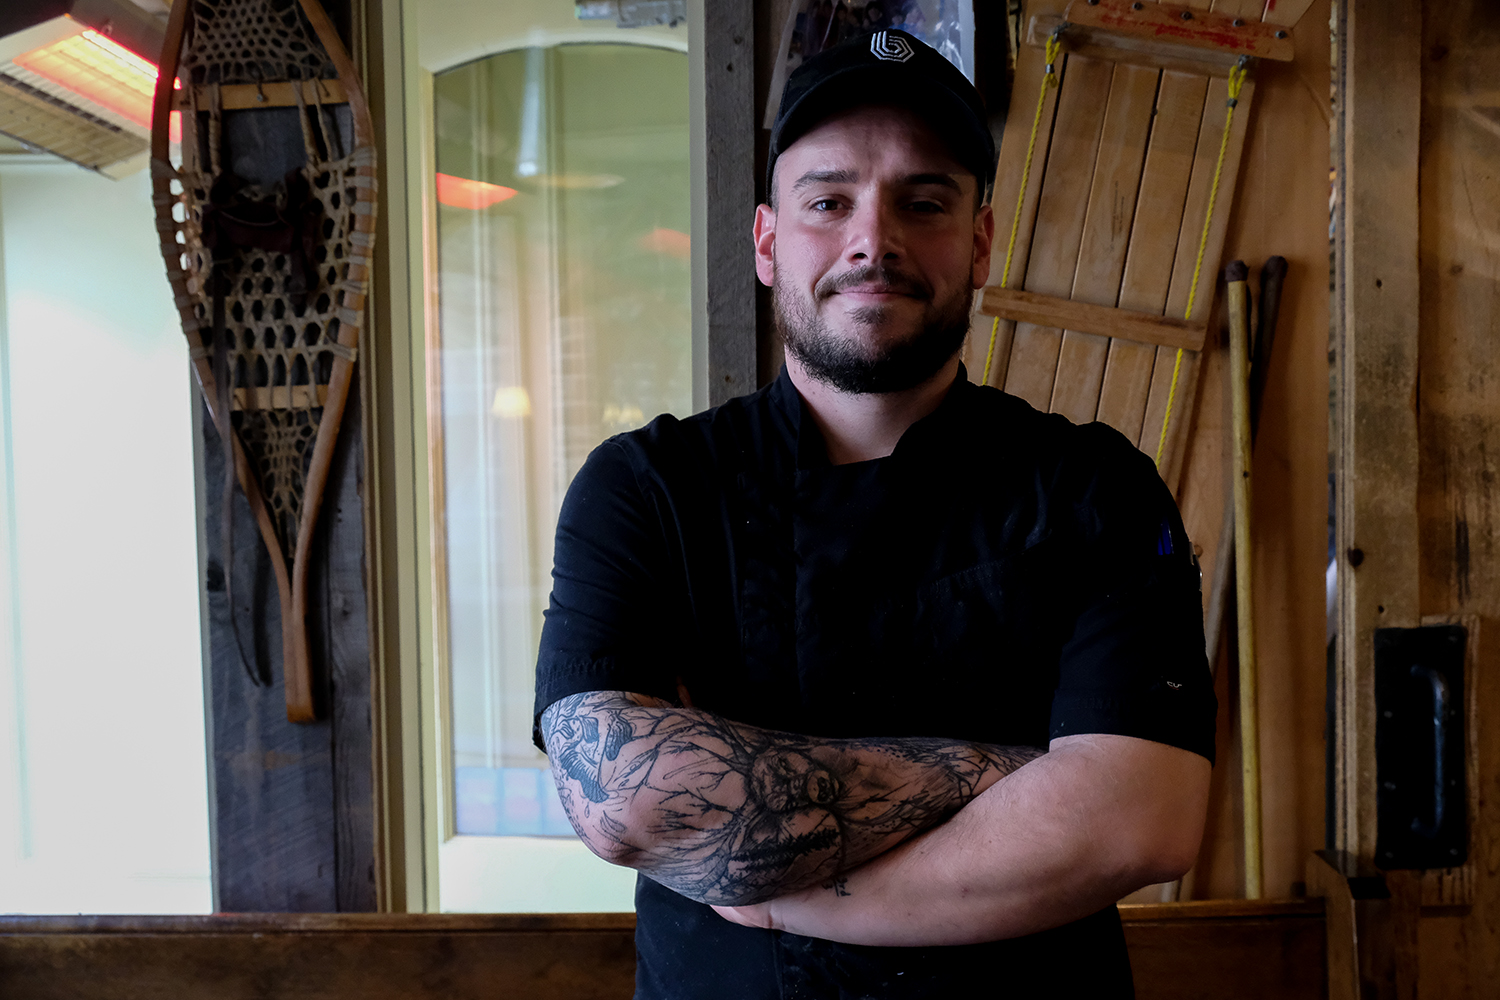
{"points": [[876, 284]]}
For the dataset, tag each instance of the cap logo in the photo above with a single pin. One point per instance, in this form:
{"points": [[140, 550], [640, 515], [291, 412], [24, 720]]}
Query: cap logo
{"points": [[891, 48]]}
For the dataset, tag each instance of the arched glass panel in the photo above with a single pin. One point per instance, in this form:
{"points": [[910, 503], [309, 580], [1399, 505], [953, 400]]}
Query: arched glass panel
{"points": [[562, 318]]}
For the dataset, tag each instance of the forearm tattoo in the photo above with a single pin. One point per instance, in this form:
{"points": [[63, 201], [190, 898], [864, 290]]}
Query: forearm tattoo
{"points": [[730, 814]]}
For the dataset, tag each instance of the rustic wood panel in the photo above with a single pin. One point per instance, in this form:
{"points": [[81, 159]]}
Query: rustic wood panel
{"points": [[1225, 950], [1195, 213], [1055, 242], [293, 803], [272, 779], [723, 65], [332, 957], [1459, 434], [1280, 208], [1011, 162], [1179, 952], [1378, 362], [1148, 264], [1106, 234]]}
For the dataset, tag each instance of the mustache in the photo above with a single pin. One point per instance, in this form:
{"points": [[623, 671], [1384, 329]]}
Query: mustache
{"points": [[887, 278]]}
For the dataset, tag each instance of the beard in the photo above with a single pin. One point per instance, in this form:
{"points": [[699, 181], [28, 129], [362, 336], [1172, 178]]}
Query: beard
{"points": [[852, 367]]}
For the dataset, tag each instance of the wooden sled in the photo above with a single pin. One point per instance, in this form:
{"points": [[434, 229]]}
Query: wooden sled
{"points": [[290, 319], [1092, 321]]}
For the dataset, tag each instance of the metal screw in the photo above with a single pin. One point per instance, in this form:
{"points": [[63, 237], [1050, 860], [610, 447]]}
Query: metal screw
{"points": [[1093, 3], [1239, 22], [1187, 15], [1281, 34], [1136, 6]]}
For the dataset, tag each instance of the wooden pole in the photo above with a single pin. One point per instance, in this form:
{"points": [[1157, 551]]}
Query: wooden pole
{"points": [[1239, 379]]}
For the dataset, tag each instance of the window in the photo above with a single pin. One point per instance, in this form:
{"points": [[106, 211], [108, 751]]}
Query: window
{"points": [[563, 316], [103, 793]]}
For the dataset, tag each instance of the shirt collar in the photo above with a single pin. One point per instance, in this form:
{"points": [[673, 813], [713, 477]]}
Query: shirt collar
{"points": [[801, 430]]}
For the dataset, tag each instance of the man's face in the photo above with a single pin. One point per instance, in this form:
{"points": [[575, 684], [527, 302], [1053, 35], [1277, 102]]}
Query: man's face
{"points": [[873, 250]]}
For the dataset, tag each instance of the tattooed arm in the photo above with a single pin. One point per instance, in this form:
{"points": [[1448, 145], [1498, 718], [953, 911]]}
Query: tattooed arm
{"points": [[730, 814], [1096, 818]]}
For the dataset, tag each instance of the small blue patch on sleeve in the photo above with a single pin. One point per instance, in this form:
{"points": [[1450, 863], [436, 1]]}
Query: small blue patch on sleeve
{"points": [[1164, 546]]}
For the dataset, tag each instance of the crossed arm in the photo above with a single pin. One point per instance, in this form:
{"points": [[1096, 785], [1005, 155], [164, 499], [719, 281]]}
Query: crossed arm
{"points": [[731, 814], [873, 841]]}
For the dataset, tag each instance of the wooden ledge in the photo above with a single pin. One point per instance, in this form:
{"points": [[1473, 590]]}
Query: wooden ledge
{"points": [[1223, 909], [319, 923]]}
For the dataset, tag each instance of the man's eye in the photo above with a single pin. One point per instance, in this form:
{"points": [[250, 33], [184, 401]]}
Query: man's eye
{"points": [[825, 205], [925, 206]]}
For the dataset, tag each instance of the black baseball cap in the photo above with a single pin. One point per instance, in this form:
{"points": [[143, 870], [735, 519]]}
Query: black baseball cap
{"points": [[887, 67]]}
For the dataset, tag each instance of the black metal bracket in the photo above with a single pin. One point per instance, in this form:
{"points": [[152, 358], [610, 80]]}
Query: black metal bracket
{"points": [[1421, 798]]}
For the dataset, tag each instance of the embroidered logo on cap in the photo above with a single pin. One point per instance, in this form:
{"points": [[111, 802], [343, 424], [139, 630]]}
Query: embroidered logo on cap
{"points": [[891, 48]]}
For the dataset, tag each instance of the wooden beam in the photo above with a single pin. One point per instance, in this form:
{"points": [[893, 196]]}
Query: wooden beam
{"points": [[1105, 321], [722, 99], [1229, 950], [1380, 111], [1150, 25]]}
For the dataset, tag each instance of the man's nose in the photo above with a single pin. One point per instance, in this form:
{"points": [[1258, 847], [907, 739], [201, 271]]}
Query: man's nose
{"points": [[874, 234]]}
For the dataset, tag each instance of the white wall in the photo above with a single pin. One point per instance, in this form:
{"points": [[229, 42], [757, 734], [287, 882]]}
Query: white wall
{"points": [[103, 804]]}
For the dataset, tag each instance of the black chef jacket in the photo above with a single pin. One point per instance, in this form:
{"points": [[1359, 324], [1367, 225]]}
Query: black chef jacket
{"points": [[1004, 576]]}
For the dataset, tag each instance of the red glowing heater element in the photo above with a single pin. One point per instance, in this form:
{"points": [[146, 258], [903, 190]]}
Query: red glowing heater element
{"points": [[460, 192], [110, 75]]}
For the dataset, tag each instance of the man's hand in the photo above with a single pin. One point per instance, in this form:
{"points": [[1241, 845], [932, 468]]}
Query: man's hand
{"points": [[1093, 820], [731, 814]]}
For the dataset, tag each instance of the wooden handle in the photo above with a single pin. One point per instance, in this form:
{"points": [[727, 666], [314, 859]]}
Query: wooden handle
{"points": [[1239, 380]]}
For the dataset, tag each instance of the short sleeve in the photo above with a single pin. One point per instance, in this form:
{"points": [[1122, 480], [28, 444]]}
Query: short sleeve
{"points": [[1134, 663], [603, 627]]}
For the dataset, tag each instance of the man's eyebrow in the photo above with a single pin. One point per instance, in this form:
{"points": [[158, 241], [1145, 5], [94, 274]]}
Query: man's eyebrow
{"points": [[942, 180], [825, 177]]}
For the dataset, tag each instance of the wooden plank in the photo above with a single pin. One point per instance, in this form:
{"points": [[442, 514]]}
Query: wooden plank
{"points": [[416, 962], [281, 94], [1106, 234], [1030, 65], [1223, 30], [340, 618], [1148, 264], [1059, 224], [272, 811], [1196, 207], [1111, 47], [1287, 12], [722, 91], [1223, 949], [1459, 433], [1247, 9], [1377, 347], [1103, 321]]}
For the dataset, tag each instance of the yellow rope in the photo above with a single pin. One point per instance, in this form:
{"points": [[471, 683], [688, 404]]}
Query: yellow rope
{"points": [[1236, 81], [1049, 78]]}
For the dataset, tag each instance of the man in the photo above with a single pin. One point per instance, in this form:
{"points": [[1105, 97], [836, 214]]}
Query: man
{"points": [[887, 684]]}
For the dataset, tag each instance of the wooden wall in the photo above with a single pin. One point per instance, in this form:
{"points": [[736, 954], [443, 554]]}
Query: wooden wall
{"points": [[291, 806], [1281, 207], [1419, 429]]}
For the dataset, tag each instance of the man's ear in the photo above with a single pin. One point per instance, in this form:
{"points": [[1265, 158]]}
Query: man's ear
{"points": [[984, 237], [765, 244]]}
